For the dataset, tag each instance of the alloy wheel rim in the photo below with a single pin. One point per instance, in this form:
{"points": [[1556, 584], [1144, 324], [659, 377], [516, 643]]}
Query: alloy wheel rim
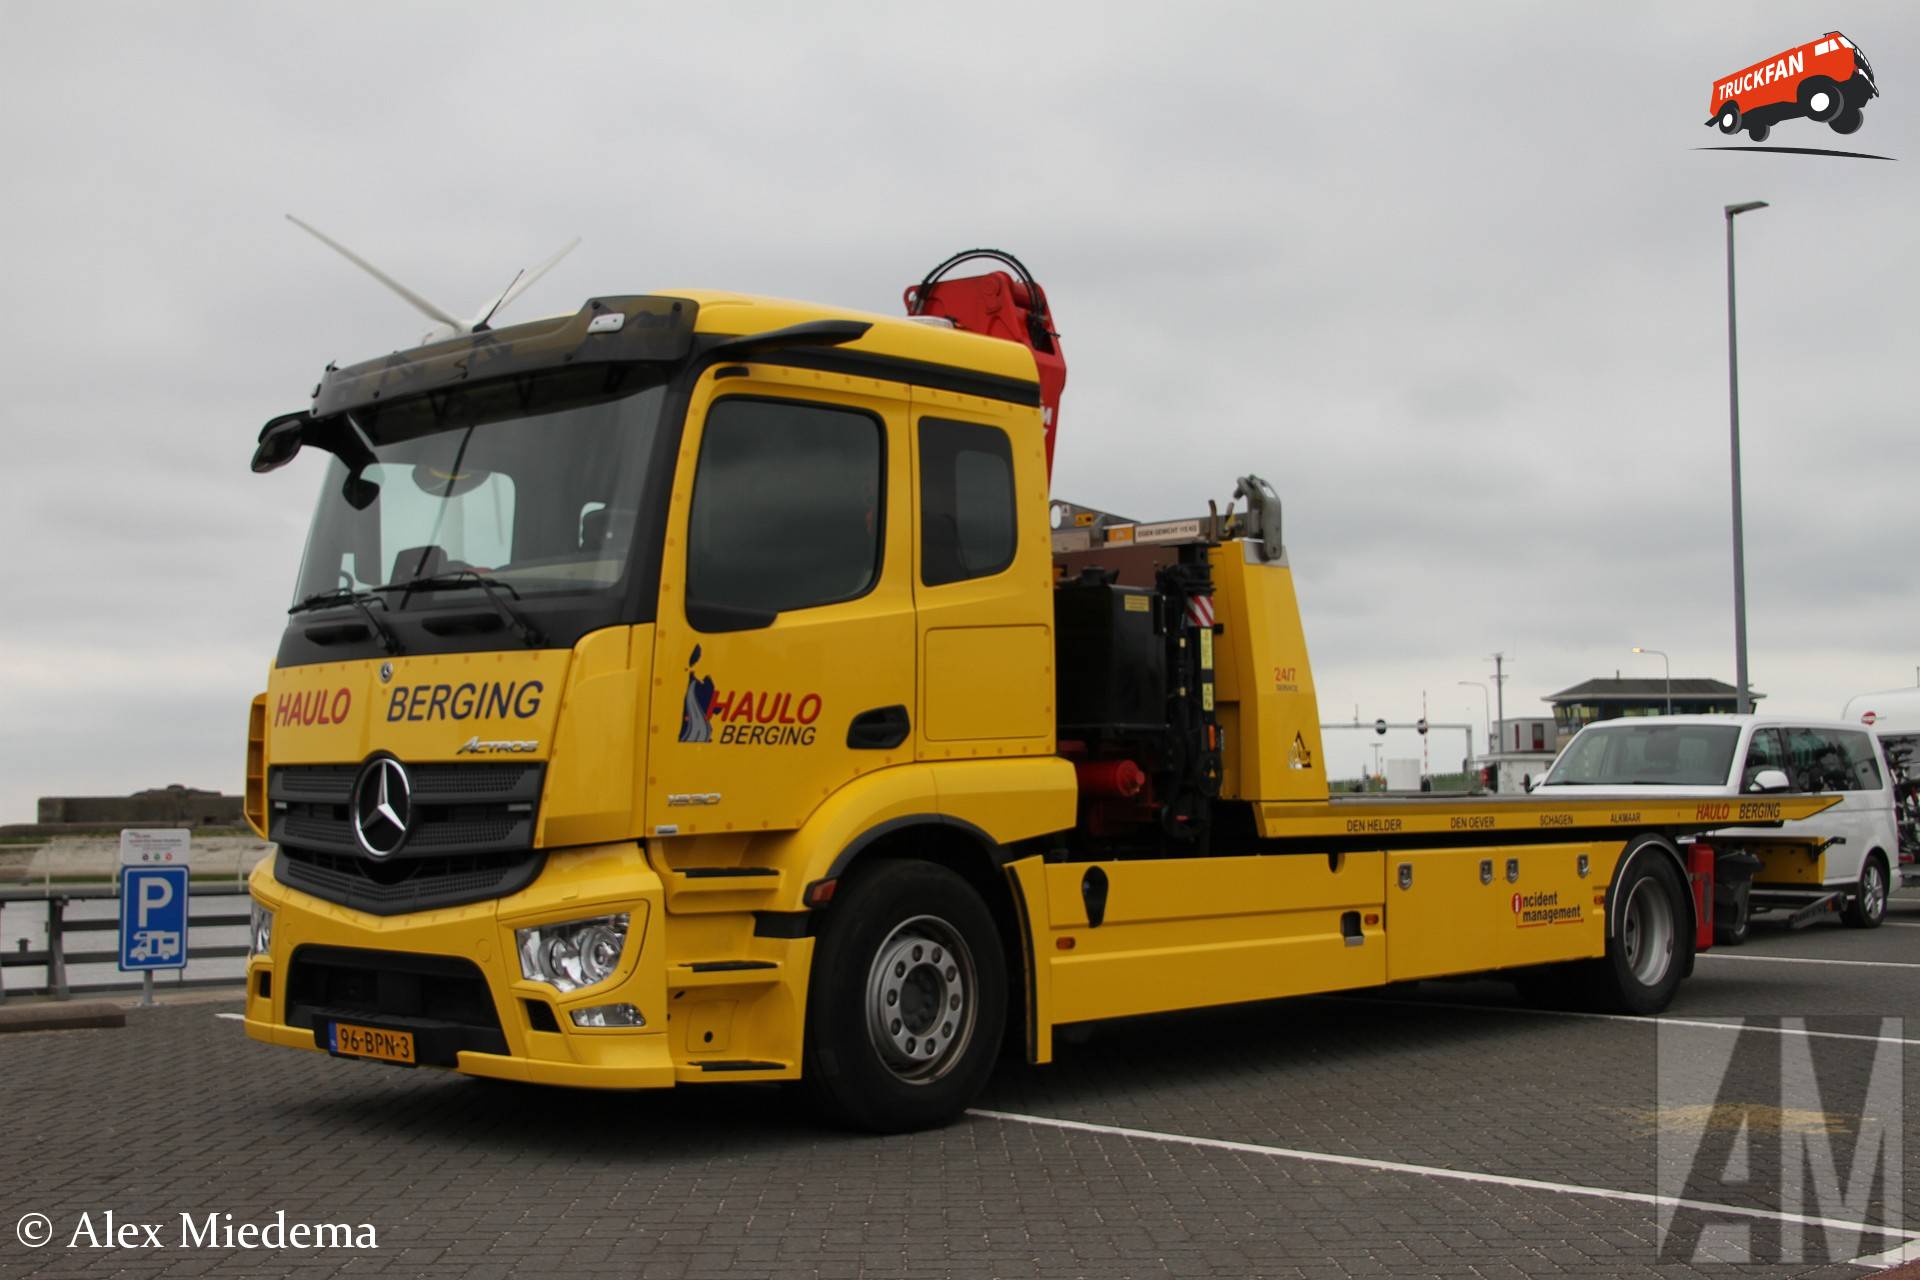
{"points": [[922, 999]]}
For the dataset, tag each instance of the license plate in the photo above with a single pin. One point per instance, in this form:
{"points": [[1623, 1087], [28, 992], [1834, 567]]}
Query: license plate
{"points": [[370, 1042]]}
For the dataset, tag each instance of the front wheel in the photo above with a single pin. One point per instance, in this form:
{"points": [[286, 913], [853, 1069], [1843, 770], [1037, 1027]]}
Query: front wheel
{"points": [[1729, 120], [1869, 905], [1820, 98], [1647, 948], [907, 1000]]}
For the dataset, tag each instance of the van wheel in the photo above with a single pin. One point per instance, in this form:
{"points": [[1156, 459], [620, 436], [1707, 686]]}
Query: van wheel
{"points": [[1848, 121], [1820, 99], [1730, 118], [1735, 926], [1647, 953], [1868, 906], [1758, 131], [907, 1000]]}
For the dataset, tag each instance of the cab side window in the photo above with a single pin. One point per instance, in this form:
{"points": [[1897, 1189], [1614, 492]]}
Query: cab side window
{"points": [[968, 523], [787, 506], [1765, 752]]}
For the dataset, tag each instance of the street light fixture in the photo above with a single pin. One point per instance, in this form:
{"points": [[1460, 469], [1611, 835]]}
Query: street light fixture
{"points": [[1745, 703], [1669, 667]]}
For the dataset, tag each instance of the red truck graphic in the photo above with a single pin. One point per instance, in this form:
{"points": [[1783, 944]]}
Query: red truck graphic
{"points": [[1827, 80]]}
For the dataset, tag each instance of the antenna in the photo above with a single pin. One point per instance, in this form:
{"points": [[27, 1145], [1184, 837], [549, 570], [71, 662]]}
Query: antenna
{"points": [[445, 326]]}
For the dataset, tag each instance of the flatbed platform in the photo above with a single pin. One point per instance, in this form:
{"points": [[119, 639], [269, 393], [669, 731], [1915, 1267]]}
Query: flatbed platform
{"points": [[1397, 819]]}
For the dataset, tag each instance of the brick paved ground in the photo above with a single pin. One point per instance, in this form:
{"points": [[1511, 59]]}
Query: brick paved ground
{"points": [[468, 1179]]}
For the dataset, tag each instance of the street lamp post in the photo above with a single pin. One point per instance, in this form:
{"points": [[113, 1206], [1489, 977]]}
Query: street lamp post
{"points": [[1669, 669], [1745, 703], [1488, 706]]}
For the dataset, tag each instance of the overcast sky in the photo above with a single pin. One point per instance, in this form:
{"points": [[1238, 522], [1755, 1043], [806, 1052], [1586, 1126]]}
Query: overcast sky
{"points": [[1450, 276]]}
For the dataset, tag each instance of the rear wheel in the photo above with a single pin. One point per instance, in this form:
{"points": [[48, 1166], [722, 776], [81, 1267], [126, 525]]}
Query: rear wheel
{"points": [[1647, 948], [1868, 906], [907, 1000], [1848, 121], [1758, 132]]}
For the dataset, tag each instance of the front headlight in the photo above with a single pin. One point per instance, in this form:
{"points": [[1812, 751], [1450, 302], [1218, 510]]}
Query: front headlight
{"points": [[574, 954], [260, 932]]}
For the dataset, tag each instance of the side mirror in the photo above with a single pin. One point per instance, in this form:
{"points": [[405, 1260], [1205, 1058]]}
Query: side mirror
{"points": [[1769, 780], [280, 440]]}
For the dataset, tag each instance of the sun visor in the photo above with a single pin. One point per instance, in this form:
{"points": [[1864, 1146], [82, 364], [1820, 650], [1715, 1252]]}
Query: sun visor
{"points": [[607, 331]]}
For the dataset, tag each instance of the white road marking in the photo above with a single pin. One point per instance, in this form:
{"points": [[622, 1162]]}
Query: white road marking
{"points": [[1908, 1252], [1858, 964], [1910, 1239], [235, 1017], [1703, 1023]]}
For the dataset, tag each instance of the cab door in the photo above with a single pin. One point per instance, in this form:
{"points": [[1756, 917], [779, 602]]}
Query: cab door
{"points": [[784, 659], [983, 579]]}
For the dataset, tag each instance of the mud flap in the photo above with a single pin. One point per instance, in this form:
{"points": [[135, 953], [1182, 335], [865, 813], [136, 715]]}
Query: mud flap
{"points": [[1029, 883]]}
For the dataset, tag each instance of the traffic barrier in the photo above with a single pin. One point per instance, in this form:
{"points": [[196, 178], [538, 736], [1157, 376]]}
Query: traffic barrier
{"points": [[55, 959]]}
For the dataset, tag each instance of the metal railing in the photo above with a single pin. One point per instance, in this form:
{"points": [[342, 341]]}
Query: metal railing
{"points": [[56, 959]]}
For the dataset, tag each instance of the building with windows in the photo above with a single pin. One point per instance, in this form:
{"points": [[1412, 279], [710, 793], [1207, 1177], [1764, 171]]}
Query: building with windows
{"points": [[1579, 706]]}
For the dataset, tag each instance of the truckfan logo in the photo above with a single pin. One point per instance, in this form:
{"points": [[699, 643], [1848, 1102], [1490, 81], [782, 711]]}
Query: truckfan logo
{"points": [[1828, 81], [382, 806]]}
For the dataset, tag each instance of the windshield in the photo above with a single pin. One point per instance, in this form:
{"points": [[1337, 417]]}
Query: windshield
{"points": [[1668, 755], [535, 483]]}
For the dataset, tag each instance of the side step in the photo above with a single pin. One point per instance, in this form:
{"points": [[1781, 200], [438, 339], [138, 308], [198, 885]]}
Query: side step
{"points": [[724, 973]]}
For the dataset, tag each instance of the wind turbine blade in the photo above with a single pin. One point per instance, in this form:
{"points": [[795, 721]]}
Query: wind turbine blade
{"points": [[419, 303], [526, 279]]}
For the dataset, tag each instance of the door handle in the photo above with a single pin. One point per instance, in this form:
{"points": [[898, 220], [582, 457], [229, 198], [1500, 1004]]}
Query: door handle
{"points": [[881, 729]]}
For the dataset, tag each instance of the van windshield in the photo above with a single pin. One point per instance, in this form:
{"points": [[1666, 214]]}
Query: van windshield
{"points": [[1664, 755]]}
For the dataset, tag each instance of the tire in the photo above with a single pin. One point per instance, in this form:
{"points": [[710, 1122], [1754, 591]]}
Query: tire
{"points": [[1868, 905], [1758, 131], [1821, 99], [909, 949], [1648, 949], [1848, 121], [1729, 119], [1735, 927]]}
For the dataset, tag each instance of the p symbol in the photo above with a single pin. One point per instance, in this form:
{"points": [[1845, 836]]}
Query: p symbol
{"points": [[155, 893]]}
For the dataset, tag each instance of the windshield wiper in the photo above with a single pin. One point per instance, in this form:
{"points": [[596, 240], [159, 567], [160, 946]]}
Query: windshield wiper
{"points": [[453, 579], [361, 600]]}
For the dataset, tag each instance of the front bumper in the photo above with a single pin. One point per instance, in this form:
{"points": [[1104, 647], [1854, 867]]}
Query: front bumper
{"points": [[452, 976]]}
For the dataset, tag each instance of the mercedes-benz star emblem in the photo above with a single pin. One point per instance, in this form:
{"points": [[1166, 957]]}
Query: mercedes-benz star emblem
{"points": [[382, 806], [386, 672]]}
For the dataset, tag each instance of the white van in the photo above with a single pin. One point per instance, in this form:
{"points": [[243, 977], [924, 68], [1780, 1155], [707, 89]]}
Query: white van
{"points": [[1894, 717], [1844, 857]]}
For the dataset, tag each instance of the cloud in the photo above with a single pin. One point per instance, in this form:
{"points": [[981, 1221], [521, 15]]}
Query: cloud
{"points": [[1452, 277]]}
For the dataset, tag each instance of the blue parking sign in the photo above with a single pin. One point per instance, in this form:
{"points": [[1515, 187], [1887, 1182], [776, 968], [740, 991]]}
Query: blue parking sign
{"points": [[153, 918]]}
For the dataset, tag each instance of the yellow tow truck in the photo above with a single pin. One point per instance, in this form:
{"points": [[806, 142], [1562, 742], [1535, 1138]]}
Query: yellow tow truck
{"points": [[703, 687]]}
